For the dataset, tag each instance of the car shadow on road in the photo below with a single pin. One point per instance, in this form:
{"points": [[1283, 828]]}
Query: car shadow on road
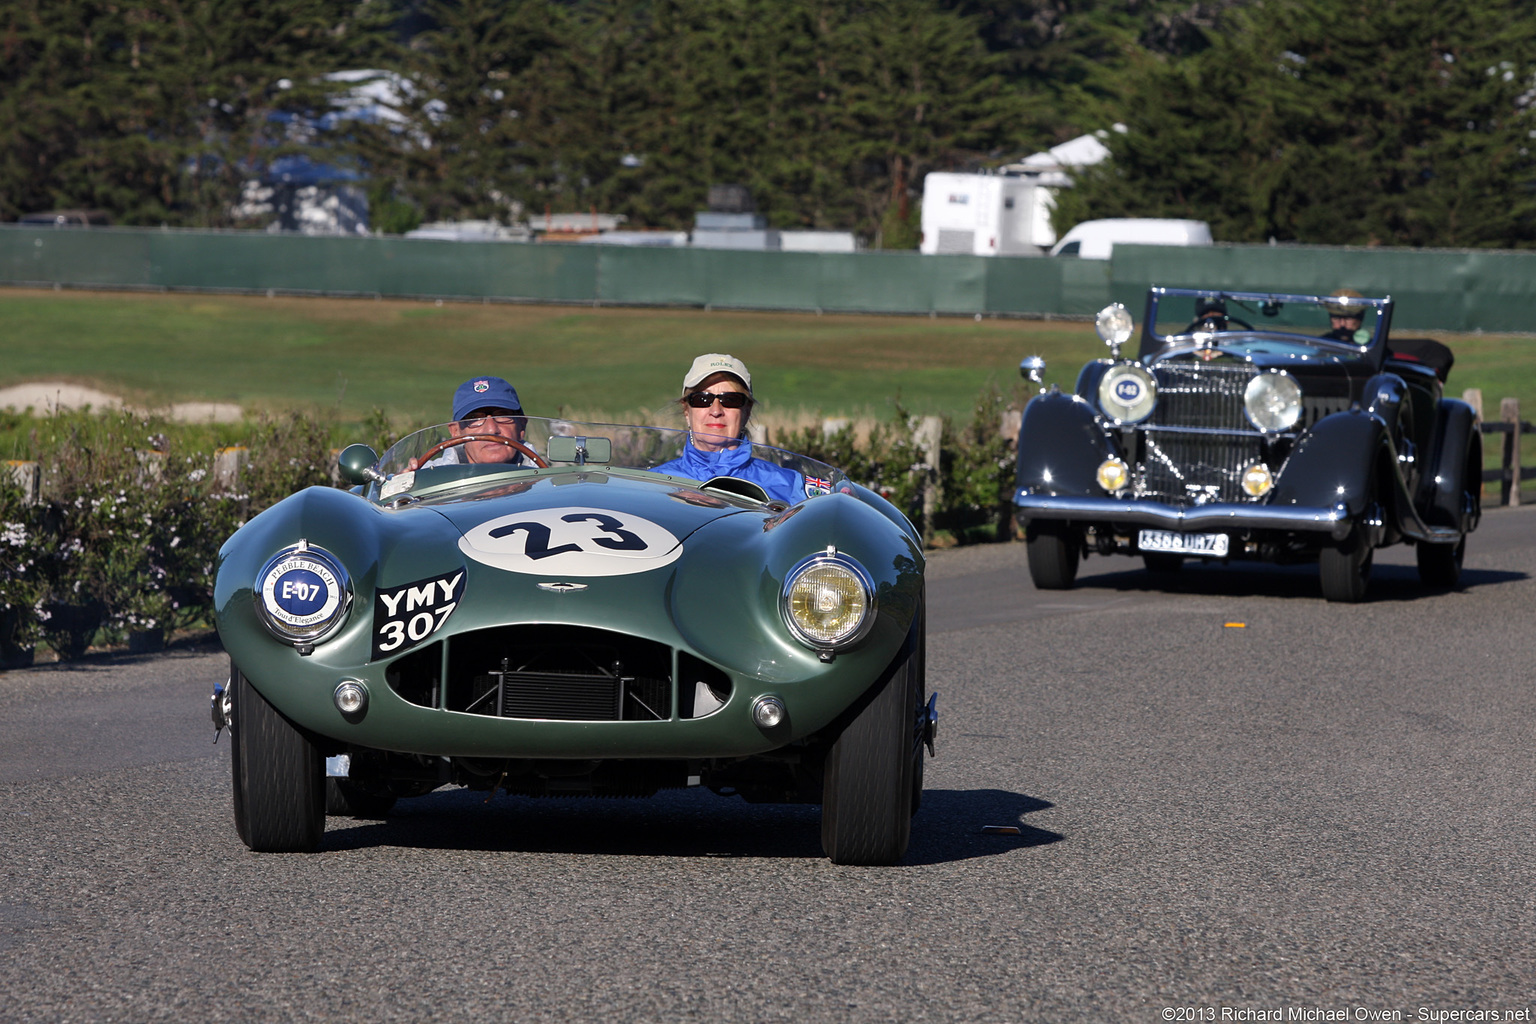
{"points": [[949, 827], [1389, 582]]}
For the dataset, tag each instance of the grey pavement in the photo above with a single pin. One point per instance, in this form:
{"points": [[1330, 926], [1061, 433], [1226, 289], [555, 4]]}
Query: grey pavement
{"points": [[1230, 796]]}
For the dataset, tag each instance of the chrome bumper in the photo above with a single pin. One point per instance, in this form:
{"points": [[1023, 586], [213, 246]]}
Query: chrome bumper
{"points": [[1335, 521]]}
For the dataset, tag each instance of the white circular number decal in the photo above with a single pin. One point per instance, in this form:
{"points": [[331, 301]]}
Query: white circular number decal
{"points": [[571, 542]]}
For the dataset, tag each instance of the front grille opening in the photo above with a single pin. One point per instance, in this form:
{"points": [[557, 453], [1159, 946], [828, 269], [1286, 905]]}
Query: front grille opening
{"points": [[417, 676], [564, 673], [702, 689]]}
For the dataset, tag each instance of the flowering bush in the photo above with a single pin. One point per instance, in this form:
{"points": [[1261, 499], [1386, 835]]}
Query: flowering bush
{"points": [[132, 514], [133, 510]]}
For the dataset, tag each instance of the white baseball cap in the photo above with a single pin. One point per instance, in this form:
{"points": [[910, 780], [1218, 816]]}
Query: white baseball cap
{"points": [[716, 362]]}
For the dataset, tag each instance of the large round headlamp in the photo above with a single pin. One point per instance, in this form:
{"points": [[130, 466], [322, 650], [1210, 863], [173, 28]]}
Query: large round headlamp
{"points": [[303, 594], [1127, 393], [1273, 401], [828, 601]]}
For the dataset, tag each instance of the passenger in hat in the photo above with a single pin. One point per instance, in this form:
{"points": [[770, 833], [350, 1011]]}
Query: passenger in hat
{"points": [[483, 406], [1210, 315], [1346, 318], [717, 403]]}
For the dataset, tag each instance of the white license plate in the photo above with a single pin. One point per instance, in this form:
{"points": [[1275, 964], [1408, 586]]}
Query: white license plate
{"points": [[1212, 545]]}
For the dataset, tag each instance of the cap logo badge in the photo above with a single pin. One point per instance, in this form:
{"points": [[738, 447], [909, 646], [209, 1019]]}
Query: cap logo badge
{"points": [[482, 386]]}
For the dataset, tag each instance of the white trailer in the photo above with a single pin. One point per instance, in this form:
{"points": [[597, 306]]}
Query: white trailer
{"points": [[986, 215]]}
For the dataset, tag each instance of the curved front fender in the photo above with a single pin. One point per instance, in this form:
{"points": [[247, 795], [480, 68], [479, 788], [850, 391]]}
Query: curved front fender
{"points": [[1332, 463], [1061, 446]]}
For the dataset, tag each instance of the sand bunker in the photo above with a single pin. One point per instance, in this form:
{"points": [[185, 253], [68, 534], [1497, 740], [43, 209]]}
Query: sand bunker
{"points": [[48, 397]]}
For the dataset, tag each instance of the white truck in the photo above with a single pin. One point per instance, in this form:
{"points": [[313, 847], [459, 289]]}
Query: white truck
{"points": [[1095, 239], [986, 215]]}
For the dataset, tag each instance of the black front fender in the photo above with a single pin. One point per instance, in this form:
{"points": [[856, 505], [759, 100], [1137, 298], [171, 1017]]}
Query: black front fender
{"points": [[1332, 464], [1061, 446]]}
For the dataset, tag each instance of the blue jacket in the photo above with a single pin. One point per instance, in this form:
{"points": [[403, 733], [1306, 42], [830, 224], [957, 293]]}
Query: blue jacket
{"points": [[696, 464]]}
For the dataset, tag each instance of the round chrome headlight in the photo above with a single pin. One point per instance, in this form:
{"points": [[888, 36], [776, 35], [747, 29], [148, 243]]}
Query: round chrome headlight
{"points": [[1127, 393], [1114, 325], [1273, 401], [828, 601], [303, 594]]}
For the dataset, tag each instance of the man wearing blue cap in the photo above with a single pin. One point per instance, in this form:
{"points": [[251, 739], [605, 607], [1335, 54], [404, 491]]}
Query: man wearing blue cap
{"points": [[487, 405]]}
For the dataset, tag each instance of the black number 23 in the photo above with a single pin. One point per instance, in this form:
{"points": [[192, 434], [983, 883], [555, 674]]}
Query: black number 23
{"points": [[537, 543]]}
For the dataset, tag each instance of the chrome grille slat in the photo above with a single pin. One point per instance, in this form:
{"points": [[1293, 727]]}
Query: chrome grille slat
{"points": [[1198, 440]]}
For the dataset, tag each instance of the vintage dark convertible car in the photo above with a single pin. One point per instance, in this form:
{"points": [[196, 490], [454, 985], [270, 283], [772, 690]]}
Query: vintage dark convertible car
{"points": [[1269, 427]]}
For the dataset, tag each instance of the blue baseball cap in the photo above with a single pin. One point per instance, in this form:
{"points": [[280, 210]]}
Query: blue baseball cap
{"points": [[484, 393]]}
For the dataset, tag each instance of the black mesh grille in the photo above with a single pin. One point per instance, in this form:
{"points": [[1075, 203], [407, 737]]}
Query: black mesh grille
{"points": [[564, 673]]}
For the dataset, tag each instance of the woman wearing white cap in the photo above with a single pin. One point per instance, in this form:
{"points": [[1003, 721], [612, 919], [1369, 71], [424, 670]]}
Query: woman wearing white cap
{"points": [[717, 402]]}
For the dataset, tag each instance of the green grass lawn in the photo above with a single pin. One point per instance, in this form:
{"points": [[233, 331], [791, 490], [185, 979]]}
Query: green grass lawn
{"points": [[352, 356], [406, 357]]}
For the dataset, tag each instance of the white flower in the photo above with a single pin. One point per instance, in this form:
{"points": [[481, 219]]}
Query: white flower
{"points": [[15, 534], [175, 542], [197, 475]]}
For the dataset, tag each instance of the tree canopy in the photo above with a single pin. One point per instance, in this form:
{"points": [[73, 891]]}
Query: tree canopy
{"points": [[1349, 121]]}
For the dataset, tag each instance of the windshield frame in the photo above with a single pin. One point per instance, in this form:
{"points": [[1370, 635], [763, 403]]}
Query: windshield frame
{"points": [[635, 449], [1158, 346]]}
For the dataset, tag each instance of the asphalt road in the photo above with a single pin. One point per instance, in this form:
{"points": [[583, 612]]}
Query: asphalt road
{"points": [[1327, 808]]}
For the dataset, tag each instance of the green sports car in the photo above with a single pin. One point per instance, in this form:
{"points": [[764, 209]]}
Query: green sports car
{"points": [[573, 621]]}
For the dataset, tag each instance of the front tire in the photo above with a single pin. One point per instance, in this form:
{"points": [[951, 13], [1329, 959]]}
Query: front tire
{"points": [[1345, 570], [278, 775], [867, 797], [1440, 564], [1054, 550]]}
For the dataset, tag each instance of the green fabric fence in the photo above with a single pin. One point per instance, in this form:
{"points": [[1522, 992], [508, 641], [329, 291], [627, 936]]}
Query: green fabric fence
{"points": [[1443, 290]]}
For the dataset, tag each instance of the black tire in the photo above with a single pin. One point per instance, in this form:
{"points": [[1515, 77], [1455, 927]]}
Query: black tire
{"points": [[1440, 564], [1162, 563], [1054, 551], [278, 774], [346, 798], [867, 798], [1345, 570]]}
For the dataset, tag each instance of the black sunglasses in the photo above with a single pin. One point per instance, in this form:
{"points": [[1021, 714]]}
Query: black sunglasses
{"points": [[729, 399]]}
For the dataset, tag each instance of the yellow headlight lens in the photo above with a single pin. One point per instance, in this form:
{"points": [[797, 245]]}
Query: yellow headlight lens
{"points": [[1113, 475], [1257, 480], [827, 603]]}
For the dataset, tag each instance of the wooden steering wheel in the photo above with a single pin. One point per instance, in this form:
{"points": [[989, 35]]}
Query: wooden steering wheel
{"points": [[453, 442]]}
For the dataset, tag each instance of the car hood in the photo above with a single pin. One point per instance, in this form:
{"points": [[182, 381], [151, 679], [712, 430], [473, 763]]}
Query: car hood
{"points": [[637, 518]]}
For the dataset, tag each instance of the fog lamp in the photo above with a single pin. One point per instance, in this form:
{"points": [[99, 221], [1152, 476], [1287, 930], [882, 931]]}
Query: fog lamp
{"points": [[1257, 480], [1113, 475], [768, 712], [351, 699]]}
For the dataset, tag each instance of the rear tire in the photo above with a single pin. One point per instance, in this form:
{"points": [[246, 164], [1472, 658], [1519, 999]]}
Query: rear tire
{"points": [[1054, 551], [1440, 564], [867, 797], [278, 775]]}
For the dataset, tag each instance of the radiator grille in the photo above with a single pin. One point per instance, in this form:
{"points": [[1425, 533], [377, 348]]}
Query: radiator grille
{"points": [[1187, 469], [1181, 463], [1208, 397], [563, 673]]}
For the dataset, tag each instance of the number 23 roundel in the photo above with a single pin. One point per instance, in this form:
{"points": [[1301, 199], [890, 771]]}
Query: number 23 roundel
{"points": [[571, 542]]}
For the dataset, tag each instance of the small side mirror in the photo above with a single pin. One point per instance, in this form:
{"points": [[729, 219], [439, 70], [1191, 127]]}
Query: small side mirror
{"points": [[356, 464], [1032, 368]]}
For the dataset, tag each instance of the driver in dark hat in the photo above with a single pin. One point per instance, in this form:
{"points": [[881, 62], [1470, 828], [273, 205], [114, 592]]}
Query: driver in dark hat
{"points": [[483, 406]]}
